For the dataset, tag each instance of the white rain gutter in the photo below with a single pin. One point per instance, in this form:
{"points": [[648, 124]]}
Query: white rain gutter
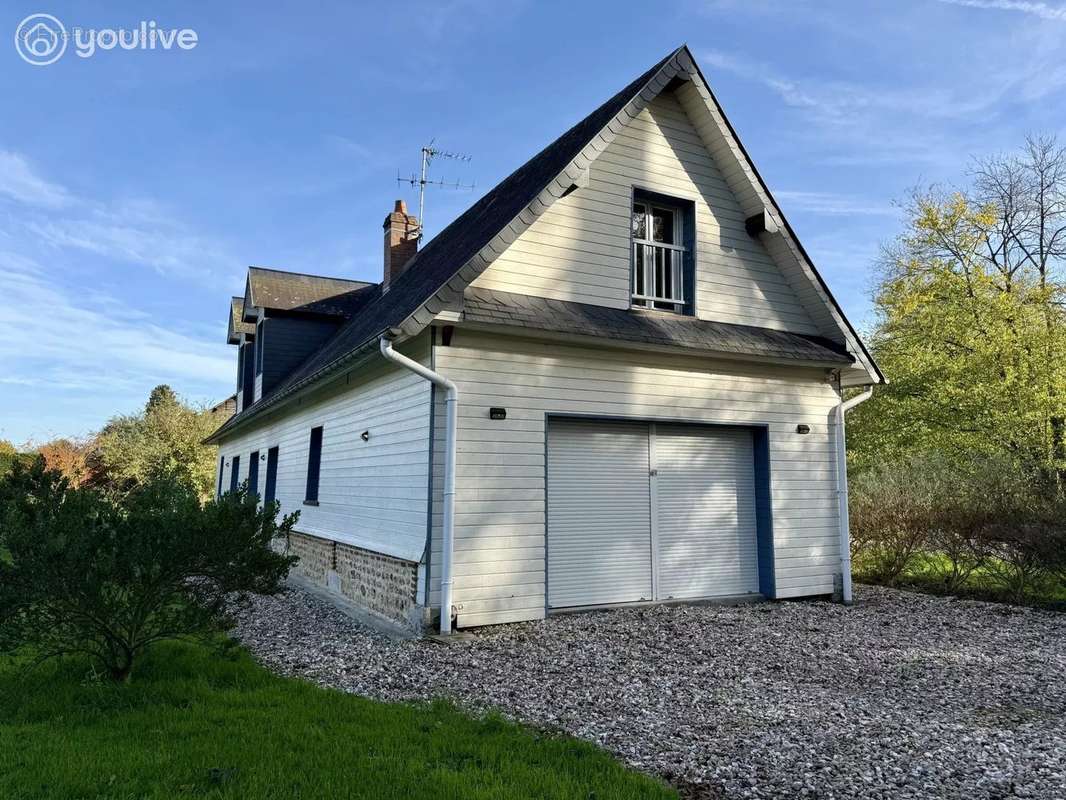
{"points": [[842, 491], [448, 538]]}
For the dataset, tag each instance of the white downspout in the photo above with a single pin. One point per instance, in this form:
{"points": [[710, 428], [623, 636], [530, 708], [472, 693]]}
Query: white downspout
{"points": [[842, 491], [447, 540]]}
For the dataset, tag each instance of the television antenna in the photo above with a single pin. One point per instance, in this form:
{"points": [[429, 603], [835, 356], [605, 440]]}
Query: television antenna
{"points": [[422, 180]]}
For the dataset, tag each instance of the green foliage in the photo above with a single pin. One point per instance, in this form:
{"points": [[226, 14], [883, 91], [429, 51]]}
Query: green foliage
{"points": [[894, 510], [88, 572], [959, 465], [166, 436], [971, 326], [211, 723], [9, 454], [986, 524]]}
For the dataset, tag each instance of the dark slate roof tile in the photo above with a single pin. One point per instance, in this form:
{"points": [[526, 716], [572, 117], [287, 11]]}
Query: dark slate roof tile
{"points": [[296, 291], [560, 316], [237, 325]]}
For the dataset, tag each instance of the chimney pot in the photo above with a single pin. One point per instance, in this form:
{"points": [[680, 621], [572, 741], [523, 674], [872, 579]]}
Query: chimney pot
{"points": [[401, 242]]}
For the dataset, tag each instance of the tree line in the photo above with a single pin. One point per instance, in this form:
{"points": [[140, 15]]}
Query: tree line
{"points": [[959, 464], [167, 435]]}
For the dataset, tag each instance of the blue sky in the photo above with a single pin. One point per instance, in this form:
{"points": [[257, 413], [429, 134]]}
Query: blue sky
{"points": [[136, 187]]}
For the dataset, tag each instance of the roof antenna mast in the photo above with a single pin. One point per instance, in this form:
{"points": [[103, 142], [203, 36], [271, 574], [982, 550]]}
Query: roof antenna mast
{"points": [[429, 152]]}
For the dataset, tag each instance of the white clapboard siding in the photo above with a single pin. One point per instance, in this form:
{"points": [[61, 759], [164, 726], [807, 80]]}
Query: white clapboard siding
{"points": [[579, 249], [372, 494], [501, 464]]}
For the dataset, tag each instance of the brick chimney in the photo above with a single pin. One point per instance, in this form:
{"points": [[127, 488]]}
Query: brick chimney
{"points": [[401, 242]]}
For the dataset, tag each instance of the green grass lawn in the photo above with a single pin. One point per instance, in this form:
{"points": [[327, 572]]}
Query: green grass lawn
{"points": [[204, 724], [926, 574]]}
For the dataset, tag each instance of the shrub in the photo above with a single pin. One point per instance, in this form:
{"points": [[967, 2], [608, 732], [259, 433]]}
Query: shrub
{"points": [[1026, 536], [894, 510], [956, 524], [87, 572]]}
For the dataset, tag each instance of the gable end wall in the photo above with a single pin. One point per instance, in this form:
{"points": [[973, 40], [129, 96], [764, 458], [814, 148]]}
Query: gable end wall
{"points": [[579, 248]]}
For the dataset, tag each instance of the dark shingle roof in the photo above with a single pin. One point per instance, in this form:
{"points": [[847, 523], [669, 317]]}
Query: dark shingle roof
{"points": [[657, 328], [296, 291], [237, 325], [449, 250]]}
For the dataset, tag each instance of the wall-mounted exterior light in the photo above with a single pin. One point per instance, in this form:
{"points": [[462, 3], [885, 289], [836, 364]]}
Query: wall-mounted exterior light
{"points": [[365, 436], [803, 429]]}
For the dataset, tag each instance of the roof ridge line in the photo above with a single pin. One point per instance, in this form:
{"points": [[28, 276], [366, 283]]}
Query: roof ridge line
{"points": [[310, 275]]}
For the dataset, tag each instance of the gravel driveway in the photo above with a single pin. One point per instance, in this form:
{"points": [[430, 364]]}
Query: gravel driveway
{"points": [[900, 696]]}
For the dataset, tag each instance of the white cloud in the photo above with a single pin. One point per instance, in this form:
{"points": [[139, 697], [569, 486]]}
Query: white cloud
{"points": [[1037, 9], [168, 248], [19, 182], [70, 340], [831, 204], [64, 340], [842, 103], [135, 232]]}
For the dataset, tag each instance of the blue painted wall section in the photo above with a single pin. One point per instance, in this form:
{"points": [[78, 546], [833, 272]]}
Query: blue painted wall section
{"points": [[253, 472], [287, 342], [246, 366], [271, 476], [764, 518]]}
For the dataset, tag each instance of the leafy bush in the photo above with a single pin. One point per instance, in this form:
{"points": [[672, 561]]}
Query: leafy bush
{"points": [[1025, 535], [85, 571], [168, 435], [894, 509], [985, 521]]}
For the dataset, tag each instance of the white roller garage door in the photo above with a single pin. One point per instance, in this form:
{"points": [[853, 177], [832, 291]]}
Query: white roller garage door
{"points": [[599, 504], [640, 511]]}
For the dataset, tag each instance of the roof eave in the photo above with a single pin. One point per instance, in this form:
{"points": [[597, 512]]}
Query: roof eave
{"points": [[593, 340], [274, 402]]}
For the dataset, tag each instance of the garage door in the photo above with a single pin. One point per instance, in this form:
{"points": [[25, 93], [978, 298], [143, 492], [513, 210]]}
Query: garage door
{"points": [[599, 505], [640, 512]]}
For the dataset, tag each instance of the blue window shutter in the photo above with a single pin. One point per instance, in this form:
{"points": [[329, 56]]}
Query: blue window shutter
{"points": [[272, 475], [221, 466], [314, 460], [234, 473], [259, 348], [253, 473]]}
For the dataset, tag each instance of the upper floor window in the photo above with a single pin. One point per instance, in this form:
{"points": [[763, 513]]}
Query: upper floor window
{"points": [[661, 259]]}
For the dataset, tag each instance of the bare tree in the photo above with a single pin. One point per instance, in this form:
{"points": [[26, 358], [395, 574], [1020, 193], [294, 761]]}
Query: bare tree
{"points": [[1027, 191]]}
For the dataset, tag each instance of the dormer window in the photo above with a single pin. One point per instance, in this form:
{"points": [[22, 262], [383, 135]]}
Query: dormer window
{"points": [[662, 258]]}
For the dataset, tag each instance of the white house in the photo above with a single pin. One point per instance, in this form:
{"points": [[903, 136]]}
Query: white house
{"points": [[616, 379]]}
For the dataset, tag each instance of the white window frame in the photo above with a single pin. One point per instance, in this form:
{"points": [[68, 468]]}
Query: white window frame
{"points": [[677, 252]]}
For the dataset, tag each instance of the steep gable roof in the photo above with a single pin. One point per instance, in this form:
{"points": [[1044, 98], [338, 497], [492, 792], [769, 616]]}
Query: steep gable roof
{"points": [[298, 291], [438, 275], [236, 324]]}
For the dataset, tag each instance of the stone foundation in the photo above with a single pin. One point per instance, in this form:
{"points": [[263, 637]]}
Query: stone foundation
{"points": [[384, 587]]}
